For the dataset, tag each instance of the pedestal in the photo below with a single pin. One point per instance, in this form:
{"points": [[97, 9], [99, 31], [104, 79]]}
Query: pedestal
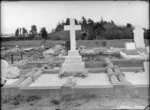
{"points": [[73, 63]]}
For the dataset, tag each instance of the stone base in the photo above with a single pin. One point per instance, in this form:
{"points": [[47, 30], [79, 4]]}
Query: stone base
{"points": [[73, 63], [131, 52], [142, 50], [73, 67]]}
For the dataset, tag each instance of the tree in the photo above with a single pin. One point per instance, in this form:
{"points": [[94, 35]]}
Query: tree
{"points": [[90, 21], [59, 27], [99, 31], [84, 21], [17, 32], [43, 35], [33, 31], [76, 22], [24, 31], [67, 21], [20, 32]]}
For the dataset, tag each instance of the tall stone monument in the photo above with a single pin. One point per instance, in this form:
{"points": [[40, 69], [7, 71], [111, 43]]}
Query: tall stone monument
{"points": [[133, 48], [139, 38], [73, 62]]}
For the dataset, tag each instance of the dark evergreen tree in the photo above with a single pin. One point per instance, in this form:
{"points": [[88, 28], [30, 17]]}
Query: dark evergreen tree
{"points": [[17, 32]]}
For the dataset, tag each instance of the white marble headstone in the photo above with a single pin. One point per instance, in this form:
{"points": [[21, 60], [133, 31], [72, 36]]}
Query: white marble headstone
{"points": [[139, 37], [130, 46]]}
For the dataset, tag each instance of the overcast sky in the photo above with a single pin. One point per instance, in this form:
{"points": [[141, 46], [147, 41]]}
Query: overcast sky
{"points": [[47, 13]]}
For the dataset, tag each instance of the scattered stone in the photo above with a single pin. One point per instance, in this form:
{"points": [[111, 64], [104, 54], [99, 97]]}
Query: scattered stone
{"points": [[71, 80], [58, 50], [4, 70], [13, 72]]}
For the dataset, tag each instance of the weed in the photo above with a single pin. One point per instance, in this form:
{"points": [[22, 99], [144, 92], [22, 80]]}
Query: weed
{"points": [[55, 102], [33, 98]]}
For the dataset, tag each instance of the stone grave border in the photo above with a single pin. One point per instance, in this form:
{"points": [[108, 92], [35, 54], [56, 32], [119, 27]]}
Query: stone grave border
{"points": [[119, 62], [121, 89]]}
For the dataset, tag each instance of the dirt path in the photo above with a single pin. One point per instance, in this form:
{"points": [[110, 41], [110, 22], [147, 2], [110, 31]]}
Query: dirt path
{"points": [[34, 103]]}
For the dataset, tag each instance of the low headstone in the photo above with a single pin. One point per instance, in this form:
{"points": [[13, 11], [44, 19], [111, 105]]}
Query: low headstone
{"points": [[130, 48]]}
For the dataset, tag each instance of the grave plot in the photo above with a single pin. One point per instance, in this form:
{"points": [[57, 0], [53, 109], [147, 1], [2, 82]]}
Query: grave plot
{"points": [[91, 80], [106, 80], [95, 83], [136, 50], [137, 78]]}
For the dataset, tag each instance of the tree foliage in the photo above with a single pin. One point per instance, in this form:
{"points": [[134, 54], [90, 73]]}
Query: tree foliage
{"points": [[102, 29], [17, 32], [24, 31], [43, 33], [33, 32]]}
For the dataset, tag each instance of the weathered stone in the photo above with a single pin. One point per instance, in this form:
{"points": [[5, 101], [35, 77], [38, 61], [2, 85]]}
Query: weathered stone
{"points": [[130, 46], [26, 82], [138, 37], [4, 70], [13, 72], [73, 62], [36, 75]]}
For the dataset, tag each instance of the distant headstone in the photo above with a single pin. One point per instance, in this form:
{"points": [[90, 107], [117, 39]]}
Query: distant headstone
{"points": [[139, 37], [130, 46], [73, 62]]}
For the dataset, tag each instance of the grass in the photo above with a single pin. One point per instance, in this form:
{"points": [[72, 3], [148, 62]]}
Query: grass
{"points": [[87, 101], [88, 43]]}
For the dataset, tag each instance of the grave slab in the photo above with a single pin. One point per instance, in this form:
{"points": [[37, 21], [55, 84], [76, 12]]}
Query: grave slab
{"points": [[137, 78]]}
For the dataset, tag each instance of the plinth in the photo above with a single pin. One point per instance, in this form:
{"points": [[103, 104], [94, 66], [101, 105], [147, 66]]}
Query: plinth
{"points": [[73, 64]]}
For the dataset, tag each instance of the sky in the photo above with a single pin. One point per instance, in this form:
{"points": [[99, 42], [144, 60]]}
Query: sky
{"points": [[18, 14]]}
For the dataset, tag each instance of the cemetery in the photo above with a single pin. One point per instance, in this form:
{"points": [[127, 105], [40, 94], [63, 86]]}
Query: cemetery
{"points": [[82, 71]]}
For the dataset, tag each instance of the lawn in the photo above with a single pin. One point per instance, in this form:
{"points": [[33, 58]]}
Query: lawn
{"points": [[88, 43]]}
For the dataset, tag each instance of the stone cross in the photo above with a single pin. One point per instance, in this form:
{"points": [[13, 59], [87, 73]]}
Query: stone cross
{"points": [[72, 27]]}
